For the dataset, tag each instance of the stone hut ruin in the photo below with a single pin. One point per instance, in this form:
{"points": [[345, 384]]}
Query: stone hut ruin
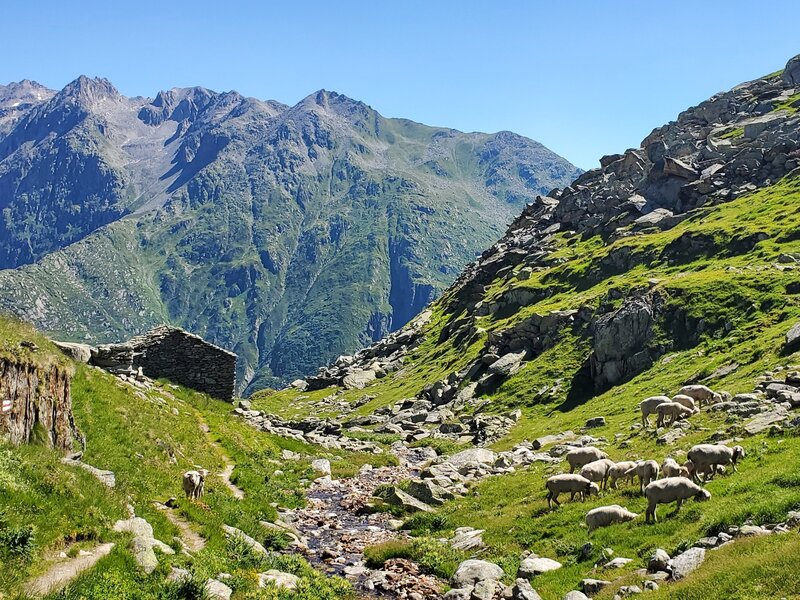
{"points": [[184, 358]]}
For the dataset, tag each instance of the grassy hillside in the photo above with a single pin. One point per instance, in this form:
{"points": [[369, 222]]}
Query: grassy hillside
{"points": [[736, 296], [149, 438]]}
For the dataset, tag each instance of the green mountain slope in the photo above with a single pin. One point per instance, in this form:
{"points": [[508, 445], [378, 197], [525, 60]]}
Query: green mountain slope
{"points": [[289, 235], [675, 263]]}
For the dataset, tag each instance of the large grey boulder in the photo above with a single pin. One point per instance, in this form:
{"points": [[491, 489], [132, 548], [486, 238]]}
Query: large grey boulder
{"points": [[394, 496], [429, 492], [216, 590], [143, 542], [575, 595], [472, 571], [507, 364], [534, 565], [279, 579], [523, 590], [359, 379], [472, 457], [80, 352], [791, 74], [685, 563], [659, 561]]}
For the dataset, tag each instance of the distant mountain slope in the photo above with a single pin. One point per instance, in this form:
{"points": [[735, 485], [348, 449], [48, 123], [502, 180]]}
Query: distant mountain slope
{"points": [[288, 234]]}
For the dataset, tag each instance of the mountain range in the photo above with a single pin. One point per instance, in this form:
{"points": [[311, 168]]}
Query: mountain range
{"points": [[288, 234]]}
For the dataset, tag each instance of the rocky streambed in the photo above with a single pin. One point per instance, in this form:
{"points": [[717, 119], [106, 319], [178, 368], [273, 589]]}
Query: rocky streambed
{"points": [[338, 524]]}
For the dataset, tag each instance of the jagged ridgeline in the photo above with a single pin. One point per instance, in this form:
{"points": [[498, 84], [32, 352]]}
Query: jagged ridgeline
{"points": [[289, 235]]}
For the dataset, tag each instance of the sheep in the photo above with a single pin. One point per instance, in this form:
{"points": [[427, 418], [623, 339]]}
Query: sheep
{"points": [[583, 456], [707, 457], [597, 471], [669, 490], [194, 483], [700, 393], [671, 468], [603, 516], [620, 471], [646, 470], [707, 470], [674, 410], [687, 401], [574, 484], [648, 407]]}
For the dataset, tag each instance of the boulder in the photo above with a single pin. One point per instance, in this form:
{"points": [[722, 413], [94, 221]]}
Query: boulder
{"points": [[322, 465], [523, 590], [793, 338], [472, 571], [791, 74], [79, 352], [534, 565], [458, 594], [685, 563], [397, 497], [358, 380], [231, 532], [575, 595], [279, 579], [592, 586], [429, 492], [467, 538], [484, 590], [595, 422], [507, 364], [217, 590], [659, 561], [472, 457]]}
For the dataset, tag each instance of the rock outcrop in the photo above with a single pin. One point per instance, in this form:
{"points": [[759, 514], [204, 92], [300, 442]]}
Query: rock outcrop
{"points": [[36, 401]]}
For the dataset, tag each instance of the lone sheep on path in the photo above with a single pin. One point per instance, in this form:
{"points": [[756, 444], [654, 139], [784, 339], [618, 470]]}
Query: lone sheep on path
{"points": [[648, 407], [671, 489], [583, 456], [194, 484], [603, 516], [568, 483], [706, 457], [701, 393]]}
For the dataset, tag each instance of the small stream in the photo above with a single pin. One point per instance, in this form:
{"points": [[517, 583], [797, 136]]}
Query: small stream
{"points": [[337, 526]]}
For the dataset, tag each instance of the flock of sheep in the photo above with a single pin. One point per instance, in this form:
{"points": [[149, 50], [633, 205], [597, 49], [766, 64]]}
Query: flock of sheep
{"points": [[679, 483]]}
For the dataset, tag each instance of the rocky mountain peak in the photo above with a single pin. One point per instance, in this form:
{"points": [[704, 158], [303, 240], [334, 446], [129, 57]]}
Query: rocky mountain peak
{"points": [[89, 91], [791, 74]]}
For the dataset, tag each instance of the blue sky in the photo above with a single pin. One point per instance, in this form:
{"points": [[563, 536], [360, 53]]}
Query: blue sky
{"points": [[585, 78]]}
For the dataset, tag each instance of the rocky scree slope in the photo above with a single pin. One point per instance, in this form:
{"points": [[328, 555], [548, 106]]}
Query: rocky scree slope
{"points": [[674, 263], [287, 234]]}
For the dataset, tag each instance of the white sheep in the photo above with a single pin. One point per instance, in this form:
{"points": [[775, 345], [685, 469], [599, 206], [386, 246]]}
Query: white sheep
{"points": [[620, 470], [646, 471], [674, 410], [671, 468], [583, 456], [707, 457], [648, 407], [706, 471], [569, 483], [687, 401], [603, 516], [671, 489], [597, 471], [194, 483], [701, 393]]}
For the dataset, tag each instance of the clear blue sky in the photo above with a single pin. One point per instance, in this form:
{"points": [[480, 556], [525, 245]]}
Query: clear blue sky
{"points": [[585, 78]]}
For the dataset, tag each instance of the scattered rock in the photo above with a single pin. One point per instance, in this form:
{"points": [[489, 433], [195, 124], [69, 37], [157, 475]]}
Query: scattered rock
{"points": [[278, 579], [685, 563], [535, 565]]}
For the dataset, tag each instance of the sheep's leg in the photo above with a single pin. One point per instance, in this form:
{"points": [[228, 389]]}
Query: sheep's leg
{"points": [[678, 507], [733, 464]]}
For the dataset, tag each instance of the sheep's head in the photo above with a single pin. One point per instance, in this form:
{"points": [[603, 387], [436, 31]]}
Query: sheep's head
{"points": [[603, 455], [592, 488], [738, 453], [203, 473], [716, 398], [702, 495]]}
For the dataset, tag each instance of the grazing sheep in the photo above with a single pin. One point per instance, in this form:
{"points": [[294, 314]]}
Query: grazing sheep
{"points": [[648, 407], [603, 516], [646, 470], [597, 471], [707, 457], [701, 394], [687, 401], [671, 489], [671, 468], [194, 484], [583, 456], [621, 471], [569, 483], [674, 410]]}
